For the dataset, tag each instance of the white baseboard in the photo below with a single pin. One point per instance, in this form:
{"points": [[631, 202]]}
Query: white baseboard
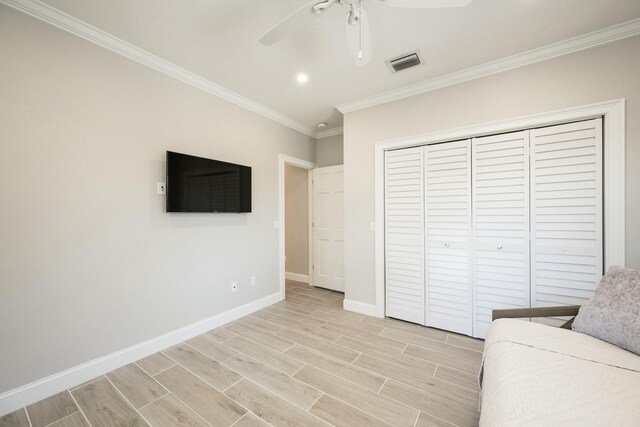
{"points": [[296, 277], [45, 387], [360, 307]]}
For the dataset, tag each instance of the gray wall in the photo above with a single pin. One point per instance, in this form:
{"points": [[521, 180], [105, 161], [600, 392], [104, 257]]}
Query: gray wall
{"points": [[89, 261], [598, 74], [296, 212], [329, 151]]}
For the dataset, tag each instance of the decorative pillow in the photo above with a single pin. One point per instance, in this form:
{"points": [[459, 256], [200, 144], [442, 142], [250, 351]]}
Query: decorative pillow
{"points": [[613, 314]]}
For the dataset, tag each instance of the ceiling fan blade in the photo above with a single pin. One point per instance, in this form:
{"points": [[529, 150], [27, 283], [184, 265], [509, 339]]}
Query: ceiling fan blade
{"points": [[359, 38], [297, 20], [425, 4]]}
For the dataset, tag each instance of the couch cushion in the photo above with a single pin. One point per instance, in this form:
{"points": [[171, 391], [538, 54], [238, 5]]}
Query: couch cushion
{"points": [[613, 314]]}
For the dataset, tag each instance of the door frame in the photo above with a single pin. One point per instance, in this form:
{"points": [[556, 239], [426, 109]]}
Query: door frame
{"points": [[284, 159], [614, 172]]}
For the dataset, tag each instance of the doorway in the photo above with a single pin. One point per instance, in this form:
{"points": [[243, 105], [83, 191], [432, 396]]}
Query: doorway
{"points": [[296, 224], [304, 166]]}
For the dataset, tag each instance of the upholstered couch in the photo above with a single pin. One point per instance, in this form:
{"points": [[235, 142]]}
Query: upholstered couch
{"points": [[538, 375]]}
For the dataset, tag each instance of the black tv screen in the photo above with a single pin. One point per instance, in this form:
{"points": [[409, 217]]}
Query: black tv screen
{"points": [[196, 184]]}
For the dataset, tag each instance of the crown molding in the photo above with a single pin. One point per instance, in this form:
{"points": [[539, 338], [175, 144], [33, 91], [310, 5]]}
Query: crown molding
{"points": [[586, 41], [329, 132], [90, 33]]}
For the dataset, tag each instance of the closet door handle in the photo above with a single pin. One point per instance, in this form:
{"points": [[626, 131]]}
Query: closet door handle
{"points": [[446, 245], [499, 247]]}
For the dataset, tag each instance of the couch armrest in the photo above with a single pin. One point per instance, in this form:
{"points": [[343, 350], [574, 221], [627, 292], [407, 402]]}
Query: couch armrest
{"points": [[515, 313]]}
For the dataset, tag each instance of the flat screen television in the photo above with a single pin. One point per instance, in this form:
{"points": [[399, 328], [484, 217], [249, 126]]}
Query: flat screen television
{"points": [[196, 184]]}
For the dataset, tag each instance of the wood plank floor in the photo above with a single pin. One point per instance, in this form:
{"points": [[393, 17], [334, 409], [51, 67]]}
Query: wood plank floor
{"points": [[301, 362]]}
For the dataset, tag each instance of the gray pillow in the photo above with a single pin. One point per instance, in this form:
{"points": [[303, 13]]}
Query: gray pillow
{"points": [[613, 314]]}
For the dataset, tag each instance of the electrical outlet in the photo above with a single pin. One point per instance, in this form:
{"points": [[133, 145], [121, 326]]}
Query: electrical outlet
{"points": [[253, 281], [234, 286], [162, 188]]}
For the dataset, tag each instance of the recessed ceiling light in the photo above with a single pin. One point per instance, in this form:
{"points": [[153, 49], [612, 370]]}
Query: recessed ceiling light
{"points": [[302, 78]]}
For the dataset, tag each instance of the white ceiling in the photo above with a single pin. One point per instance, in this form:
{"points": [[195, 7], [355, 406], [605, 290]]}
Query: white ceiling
{"points": [[218, 40]]}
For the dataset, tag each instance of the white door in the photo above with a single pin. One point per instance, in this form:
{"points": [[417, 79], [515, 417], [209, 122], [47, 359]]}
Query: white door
{"points": [[501, 225], [566, 213], [328, 228], [449, 294], [404, 235]]}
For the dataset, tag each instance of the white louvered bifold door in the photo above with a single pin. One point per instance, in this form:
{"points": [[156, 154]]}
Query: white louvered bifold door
{"points": [[501, 224], [404, 235], [449, 236], [566, 213]]}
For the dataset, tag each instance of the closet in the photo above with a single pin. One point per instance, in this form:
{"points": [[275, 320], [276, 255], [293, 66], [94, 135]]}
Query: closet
{"points": [[500, 221]]}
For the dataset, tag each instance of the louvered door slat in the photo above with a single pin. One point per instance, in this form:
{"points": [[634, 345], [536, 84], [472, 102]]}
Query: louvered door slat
{"points": [[448, 224], [501, 224], [404, 235], [566, 212]]}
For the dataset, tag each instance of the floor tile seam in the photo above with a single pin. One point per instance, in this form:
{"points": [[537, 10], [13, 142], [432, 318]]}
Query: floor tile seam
{"points": [[430, 392], [165, 369], [262, 345], [198, 376], [419, 411], [417, 336], [364, 353], [257, 329], [399, 380], [446, 344], [190, 408], [364, 411], [322, 393], [458, 385], [345, 379], [225, 390], [60, 419], [417, 418], [305, 334], [74, 388], [150, 376], [365, 333], [128, 401], [373, 373], [290, 376], [416, 389], [382, 347], [324, 322], [440, 419], [299, 369], [79, 407], [204, 334], [382, 386], [283, 398], [268, 333], [26, 412], [153, 401], [440, 353], [465, 348], [220, 362], [355, 407]]}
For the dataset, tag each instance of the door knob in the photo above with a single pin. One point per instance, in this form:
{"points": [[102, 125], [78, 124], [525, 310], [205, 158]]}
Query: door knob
{"points": [[499, 247], [446, 245]]}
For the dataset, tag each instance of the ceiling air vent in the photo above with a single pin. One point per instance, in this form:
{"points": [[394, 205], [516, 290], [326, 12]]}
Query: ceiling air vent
{"points": [[403, 62]]}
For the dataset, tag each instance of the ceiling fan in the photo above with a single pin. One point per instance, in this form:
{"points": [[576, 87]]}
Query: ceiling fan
{"points": [[357, 23]]}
